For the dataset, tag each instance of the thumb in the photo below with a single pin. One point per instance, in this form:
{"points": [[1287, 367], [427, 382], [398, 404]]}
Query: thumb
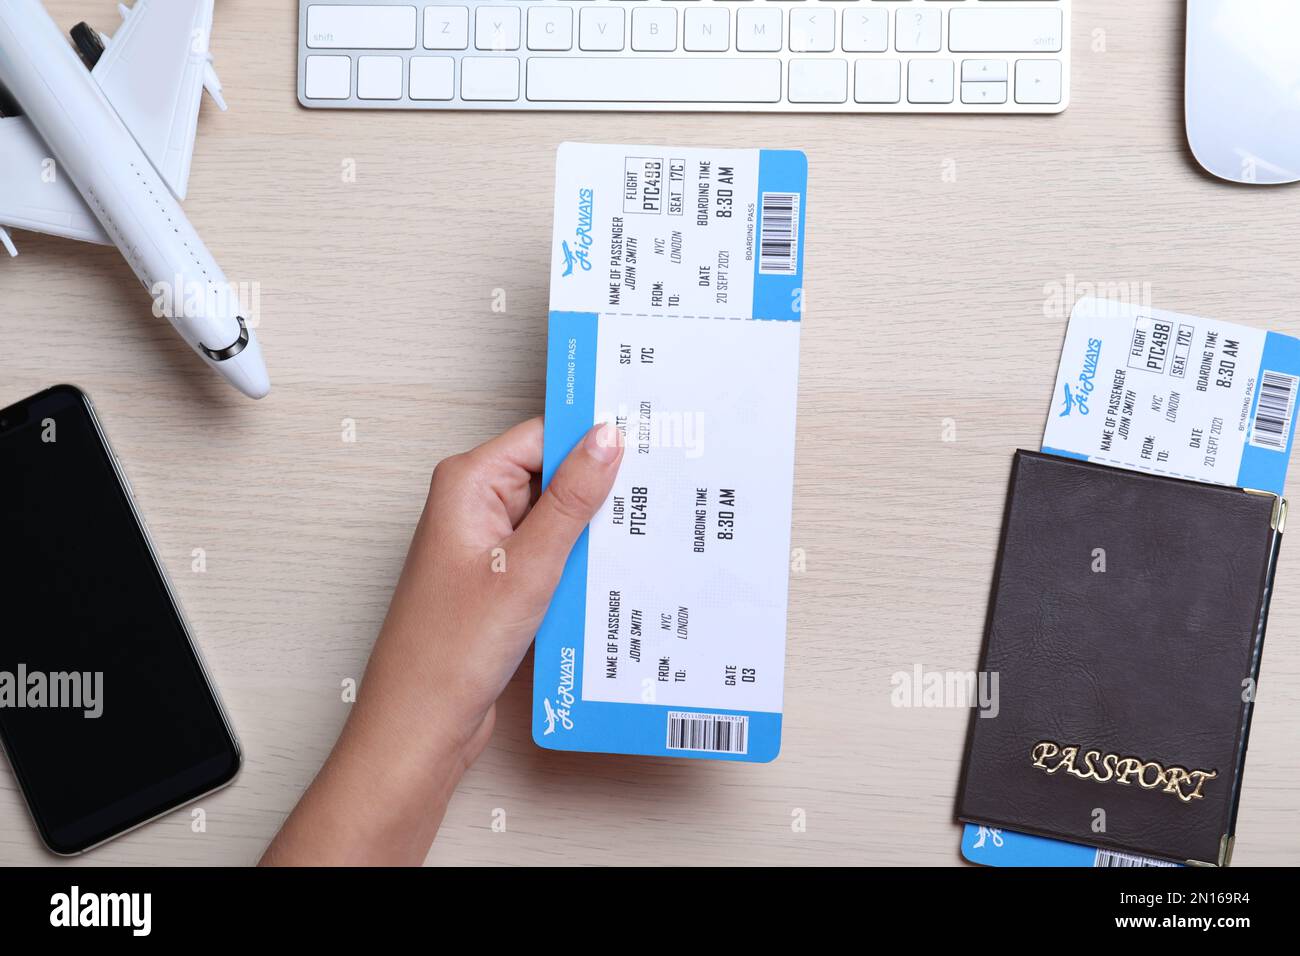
{"points": [[541, 545]]}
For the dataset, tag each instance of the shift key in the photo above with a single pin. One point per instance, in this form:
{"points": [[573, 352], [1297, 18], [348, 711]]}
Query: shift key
{"points": [[1005, 31], [343, 27]]}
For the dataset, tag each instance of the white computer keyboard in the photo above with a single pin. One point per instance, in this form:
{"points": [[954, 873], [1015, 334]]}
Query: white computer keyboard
{"points": [[836, 56]]}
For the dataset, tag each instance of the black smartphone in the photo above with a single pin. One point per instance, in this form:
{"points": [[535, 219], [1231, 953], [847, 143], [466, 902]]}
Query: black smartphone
{"points": [[106, 711]]}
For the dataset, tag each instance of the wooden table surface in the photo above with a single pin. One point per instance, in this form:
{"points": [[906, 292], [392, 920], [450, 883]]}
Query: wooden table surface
{"points": [[943, 254]]}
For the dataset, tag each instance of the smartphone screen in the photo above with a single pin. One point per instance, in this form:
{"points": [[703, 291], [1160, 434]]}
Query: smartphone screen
{"points": [[106, 713]]}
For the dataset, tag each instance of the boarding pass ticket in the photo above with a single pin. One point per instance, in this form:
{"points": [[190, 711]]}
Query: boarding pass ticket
{"points": [[1175, 395], [676, 295]]}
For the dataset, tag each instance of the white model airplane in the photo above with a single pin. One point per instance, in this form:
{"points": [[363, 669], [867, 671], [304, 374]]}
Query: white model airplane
{"points": [[95, 145]]}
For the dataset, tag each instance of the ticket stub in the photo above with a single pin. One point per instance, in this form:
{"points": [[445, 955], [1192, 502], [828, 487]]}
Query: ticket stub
{"points": [[1175, 395], [990, 846], [675, 304]]}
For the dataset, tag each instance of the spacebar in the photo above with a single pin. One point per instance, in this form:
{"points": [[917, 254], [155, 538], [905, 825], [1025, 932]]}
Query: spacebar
{"points": [[653, 80]]}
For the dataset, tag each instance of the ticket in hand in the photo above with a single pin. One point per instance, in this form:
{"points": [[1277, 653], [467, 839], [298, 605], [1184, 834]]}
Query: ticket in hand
{"points": [[676, 294]]}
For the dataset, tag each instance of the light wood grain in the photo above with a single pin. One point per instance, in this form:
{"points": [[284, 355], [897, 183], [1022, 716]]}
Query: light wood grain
{"points": [[925, 302]]}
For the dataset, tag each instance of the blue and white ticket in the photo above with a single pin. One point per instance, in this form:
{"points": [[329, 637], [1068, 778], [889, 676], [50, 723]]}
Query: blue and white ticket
{"points": [[1171, 394], [675, 304], [1175, 395], [993, 847]]}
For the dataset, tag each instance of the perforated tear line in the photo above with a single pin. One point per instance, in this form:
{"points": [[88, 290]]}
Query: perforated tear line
{"points": [[678, 315]]}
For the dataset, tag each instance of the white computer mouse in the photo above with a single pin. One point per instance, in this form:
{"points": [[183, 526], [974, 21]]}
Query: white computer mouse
{"points": [[1242, 98]]}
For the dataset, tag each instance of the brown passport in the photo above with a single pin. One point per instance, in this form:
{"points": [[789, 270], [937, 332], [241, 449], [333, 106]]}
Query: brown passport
{"points": [[1126, 626]]}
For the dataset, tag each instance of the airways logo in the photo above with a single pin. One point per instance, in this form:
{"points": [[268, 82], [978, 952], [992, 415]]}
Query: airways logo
{"points": [[572, 258], [1075, 394], [579, 254], [1069, 402], [561, 712]]}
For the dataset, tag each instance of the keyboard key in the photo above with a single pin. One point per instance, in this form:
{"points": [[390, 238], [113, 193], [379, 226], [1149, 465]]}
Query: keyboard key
{"points": [[866, 31], [433, 78], [550, 28], [1009, 30], [918, 30], [496, 28], [929, 81], [446, 28], [654, 80], [707, 30], [329, 77], [1038, 81], [812, 30], [877, 81], [338, 27], [818, 81], [489, 78], [986, 93], [654, 30], [758, 30], [601, 29], [379, 77], [984, 71]]}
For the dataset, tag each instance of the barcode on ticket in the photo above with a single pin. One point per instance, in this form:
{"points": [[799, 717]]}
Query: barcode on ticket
{"points": [[714, 733], [1112, 858], [778, 239], [1272, 423]]}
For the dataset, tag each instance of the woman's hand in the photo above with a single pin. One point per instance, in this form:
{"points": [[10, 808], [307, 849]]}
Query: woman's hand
{"points": [[477, 582]]}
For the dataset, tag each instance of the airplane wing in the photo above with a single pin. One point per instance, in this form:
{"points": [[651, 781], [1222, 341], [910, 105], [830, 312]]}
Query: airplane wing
{"points": [[154, 71], [34, 194]]}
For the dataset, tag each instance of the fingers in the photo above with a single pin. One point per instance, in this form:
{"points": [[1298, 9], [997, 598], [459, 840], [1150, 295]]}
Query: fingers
{"points": [[508, 463], [520, 446], [541, 545]]}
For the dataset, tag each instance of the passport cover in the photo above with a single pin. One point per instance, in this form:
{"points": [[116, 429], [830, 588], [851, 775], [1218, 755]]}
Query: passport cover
{"points": [[1126, 627]]}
